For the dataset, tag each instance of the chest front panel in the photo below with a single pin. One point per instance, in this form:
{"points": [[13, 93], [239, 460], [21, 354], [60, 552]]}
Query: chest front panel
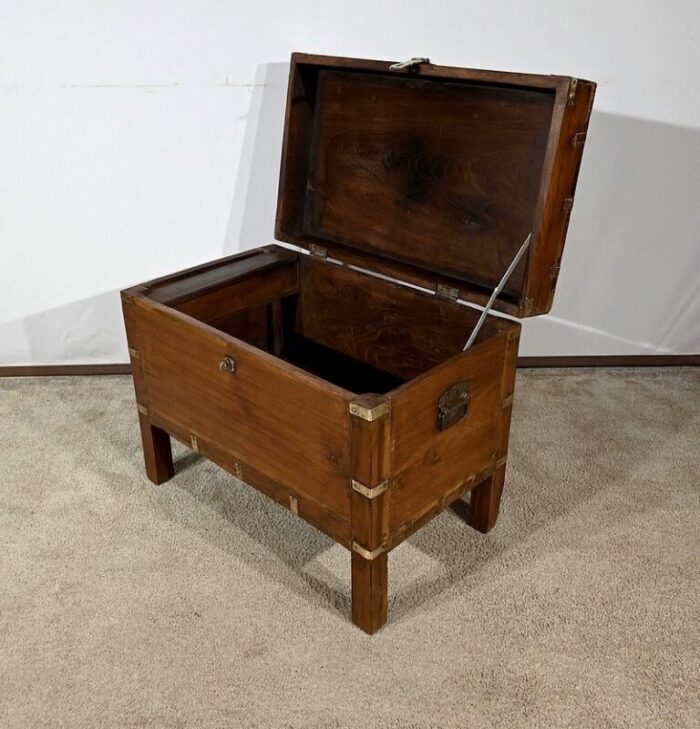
{"points": [[277, 418]]}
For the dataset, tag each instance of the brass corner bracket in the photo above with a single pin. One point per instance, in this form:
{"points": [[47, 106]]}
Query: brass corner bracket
{"points": [[366, 553], [369, 414], [369, 491]]}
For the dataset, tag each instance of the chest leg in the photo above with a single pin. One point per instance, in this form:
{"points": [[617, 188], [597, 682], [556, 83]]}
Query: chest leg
{"points": [[369, 457], [157, 452], [369, 592], [485, 501]]}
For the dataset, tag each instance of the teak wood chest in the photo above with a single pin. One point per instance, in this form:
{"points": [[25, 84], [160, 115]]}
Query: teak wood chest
{"points": [[335, 380]]}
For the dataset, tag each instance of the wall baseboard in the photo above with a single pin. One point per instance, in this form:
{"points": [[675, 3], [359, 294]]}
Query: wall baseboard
{"points": [[56, 370], [615, 360]]}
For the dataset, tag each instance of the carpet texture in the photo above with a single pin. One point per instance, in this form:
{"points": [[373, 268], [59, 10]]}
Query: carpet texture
{"points": [[200, 603]]}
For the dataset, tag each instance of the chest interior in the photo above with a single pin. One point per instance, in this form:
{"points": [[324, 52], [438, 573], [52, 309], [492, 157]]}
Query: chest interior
{"points": [[357, 331]]}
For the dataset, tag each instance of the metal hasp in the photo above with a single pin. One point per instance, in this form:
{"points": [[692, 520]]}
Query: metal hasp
{"points": [[452, 405], [497, 291], [408, 65]]}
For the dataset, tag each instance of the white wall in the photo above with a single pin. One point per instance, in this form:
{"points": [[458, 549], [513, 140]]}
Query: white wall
{"points": [[140, 137]]}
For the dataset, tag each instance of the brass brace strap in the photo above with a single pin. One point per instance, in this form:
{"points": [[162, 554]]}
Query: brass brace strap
{"points": [[134, 353], [369, 491], [507, 401], [366, 552], [194, 443], [142, 408], [501, 461]]}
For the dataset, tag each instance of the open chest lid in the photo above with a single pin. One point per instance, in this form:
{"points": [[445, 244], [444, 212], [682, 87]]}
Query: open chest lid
{"points": [[433, 175]]}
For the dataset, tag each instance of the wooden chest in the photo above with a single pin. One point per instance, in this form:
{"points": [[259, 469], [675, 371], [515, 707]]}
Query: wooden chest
{"points": [[334, 379]]}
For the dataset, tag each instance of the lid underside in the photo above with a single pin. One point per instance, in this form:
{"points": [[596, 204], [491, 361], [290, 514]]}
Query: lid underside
{"points": [[444, 175]]}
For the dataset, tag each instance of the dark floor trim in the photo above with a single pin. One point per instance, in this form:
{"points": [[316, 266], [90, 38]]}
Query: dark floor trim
{"points": [[49, 370], [616, 360], [613, 360]]}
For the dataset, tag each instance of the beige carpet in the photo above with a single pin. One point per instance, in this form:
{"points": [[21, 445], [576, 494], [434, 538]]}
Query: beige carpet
{"points": [[202, 603]]}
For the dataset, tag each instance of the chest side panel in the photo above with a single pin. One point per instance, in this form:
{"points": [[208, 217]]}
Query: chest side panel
{"points": [[431, 465], [266, 413]]}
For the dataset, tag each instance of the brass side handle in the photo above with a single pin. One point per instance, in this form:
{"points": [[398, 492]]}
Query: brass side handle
{"points": [[227, 365], [452, 405]]}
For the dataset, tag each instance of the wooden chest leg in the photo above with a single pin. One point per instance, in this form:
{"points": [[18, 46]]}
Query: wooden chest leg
{"points": [[485, 502], [156, 451], [486, 497], [369, 592], [370, 447]]}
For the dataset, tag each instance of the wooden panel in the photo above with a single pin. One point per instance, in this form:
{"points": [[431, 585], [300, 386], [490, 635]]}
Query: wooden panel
{"points": [[443, 175], [326, 520], [394, 328], [184, 285], [251, 325], [291, 425], [428, 465], [253, 290]]}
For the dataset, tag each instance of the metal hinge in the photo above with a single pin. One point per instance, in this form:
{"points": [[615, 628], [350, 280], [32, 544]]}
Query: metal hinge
{"points": [[573, 84], [317, 250], [446, 292], [578, 139], [366, 553], [369, 414], [369, 491]]}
